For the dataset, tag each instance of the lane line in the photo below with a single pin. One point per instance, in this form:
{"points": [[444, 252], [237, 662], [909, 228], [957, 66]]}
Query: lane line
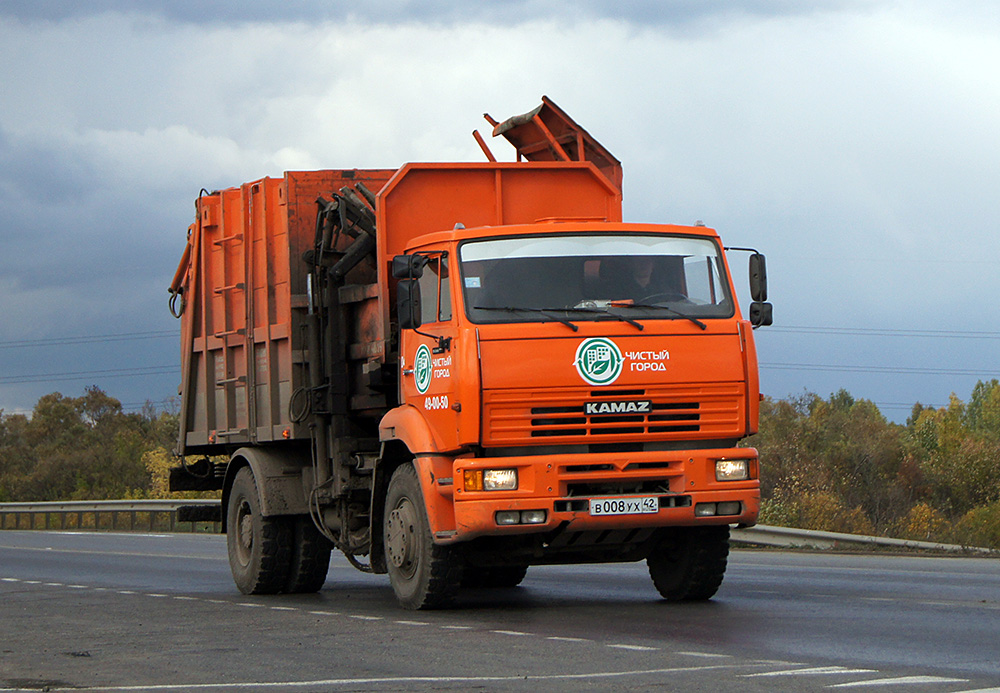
{"points": [[812, 671], [899, 680], [560, 638]]}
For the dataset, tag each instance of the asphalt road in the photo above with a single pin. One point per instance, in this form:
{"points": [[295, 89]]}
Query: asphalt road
{"points": [[160, 613]]}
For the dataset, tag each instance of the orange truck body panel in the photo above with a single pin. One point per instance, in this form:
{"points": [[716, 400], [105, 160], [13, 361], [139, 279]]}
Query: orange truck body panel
{"points": [[502, 394], [245, 294]]}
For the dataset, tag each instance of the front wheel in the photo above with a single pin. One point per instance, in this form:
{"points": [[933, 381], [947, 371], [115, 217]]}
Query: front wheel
{"points": [[423, 575], [688, 563]]}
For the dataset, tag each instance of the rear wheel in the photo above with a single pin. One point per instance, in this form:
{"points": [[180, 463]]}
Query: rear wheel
{"points": [[688, 564], [259, 547], [423, 575], [310, 557]]}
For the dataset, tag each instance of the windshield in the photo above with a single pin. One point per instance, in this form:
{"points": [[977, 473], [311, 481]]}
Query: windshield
{"points": [[593, 277]]}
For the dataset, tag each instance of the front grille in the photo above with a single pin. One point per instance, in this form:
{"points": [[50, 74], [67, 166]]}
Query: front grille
{"points": [[525, 417], [624, 487]]}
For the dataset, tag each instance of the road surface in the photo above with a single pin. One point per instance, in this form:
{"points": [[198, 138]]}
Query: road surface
{"points": [[110, 612]]}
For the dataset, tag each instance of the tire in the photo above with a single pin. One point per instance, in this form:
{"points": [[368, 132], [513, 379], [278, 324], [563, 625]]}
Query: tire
{"points": [[259, 547], [310, 557], [497, 577], [688, 564], [423, 575]]}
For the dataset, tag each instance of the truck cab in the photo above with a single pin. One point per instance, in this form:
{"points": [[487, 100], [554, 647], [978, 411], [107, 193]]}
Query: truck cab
{"points": [[581, 384]]}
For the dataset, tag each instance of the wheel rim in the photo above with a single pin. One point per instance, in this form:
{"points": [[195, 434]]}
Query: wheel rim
{"points": [[244, 533], [402, 539]]}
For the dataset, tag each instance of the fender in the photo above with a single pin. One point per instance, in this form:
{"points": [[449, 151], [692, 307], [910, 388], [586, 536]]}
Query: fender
{"points": [[279, 481], [434, 468], [406, 424]]}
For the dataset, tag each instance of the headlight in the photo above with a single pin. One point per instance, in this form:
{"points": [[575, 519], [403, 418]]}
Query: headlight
{"points": [[732, 470], [499, 479], [490, 480]]}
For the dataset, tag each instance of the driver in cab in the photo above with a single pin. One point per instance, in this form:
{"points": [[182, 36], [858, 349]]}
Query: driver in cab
{"points": [[639, 279]]}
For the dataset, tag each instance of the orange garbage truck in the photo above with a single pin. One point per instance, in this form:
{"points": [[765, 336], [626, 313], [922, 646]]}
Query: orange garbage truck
{"points": [[452, 372]]}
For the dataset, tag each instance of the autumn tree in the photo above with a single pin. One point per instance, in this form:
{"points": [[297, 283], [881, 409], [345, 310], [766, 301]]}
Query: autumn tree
{"points": [[80, 448]]}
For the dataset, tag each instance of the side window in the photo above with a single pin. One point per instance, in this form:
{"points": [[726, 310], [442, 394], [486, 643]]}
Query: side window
{"points": [[704, 282], [435, 292], [444, 307]]}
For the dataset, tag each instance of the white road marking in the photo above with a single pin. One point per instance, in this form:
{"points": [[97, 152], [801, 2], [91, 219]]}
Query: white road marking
{"points": [[565, 639], [897, 681], [813, 671]]}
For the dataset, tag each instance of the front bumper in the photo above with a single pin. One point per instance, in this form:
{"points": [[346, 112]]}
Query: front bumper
{"points": [[682, 482]]}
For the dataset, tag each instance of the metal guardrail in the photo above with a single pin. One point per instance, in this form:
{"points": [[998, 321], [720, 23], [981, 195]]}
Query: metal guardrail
{"points": [[192, 512], [791, 537], [165, 515]]}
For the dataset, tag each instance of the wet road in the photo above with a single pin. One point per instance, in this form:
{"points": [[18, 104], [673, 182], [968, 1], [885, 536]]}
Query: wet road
{"points": [[160, 612]]}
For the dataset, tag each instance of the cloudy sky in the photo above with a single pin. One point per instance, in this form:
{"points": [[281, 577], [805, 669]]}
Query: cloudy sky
{"points": [[855, 142]]}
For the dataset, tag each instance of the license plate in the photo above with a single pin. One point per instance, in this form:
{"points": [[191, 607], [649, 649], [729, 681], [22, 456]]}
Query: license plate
{"points": [[624, 506]]}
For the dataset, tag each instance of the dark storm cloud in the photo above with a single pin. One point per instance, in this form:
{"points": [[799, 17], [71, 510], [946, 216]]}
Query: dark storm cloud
{"points": [[846, 139], [656, 12]]}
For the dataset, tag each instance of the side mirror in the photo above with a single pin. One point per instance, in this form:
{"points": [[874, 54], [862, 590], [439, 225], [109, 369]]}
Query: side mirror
{"points": [[407, 301], [761, 314], [409, 266], [758, 278]]}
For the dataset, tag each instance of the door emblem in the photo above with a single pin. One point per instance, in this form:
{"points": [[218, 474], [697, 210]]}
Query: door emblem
{"points": [[422, 369]]}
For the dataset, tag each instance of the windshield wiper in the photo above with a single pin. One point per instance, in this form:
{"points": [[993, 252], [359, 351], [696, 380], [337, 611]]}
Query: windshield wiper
{"points": [[604, 311], [679, 314], [544, 311]]}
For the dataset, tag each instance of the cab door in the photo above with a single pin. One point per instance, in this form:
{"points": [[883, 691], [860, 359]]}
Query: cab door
{"points": [[430, 369]]}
